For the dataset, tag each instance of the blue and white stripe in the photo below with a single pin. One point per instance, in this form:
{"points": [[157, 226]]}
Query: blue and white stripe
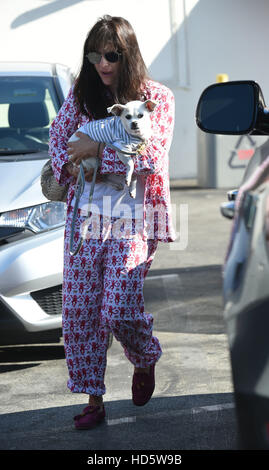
{"points": [[108, 130]]}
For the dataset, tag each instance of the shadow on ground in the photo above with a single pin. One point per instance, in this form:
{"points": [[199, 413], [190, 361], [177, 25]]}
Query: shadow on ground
{"points": [[174, 423]]}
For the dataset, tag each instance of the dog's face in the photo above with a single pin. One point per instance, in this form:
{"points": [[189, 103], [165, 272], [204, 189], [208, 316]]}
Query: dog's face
{"points": [[135, 117]]}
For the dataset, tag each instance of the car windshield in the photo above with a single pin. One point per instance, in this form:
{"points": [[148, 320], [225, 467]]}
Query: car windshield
{"points": [[28, 106]]}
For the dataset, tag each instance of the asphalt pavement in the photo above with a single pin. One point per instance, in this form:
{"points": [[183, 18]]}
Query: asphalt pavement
{"points": [[192, 407]]}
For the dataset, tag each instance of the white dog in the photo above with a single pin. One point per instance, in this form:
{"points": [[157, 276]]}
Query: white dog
{"points": [[127, 132]]}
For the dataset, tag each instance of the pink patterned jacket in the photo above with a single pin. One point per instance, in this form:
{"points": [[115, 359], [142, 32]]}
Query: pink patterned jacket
{"points": [[152, 162]]}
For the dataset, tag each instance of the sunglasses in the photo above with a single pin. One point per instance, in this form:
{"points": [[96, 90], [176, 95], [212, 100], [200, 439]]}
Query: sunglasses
{"points": [[95, 57]]}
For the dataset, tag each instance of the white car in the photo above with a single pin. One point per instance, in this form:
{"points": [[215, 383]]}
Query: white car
{"points": [[31, 227]]}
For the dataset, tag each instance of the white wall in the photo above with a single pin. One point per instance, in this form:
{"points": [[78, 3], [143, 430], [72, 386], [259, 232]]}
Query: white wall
{"points": [[185, 44], [55, 30], [224, 37]]}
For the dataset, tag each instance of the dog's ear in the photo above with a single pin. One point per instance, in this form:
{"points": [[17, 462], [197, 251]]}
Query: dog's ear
{"points": [[150, 105], [116, 109]]}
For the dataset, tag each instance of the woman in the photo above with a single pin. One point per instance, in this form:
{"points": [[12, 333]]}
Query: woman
{"points": [[103, 283]]}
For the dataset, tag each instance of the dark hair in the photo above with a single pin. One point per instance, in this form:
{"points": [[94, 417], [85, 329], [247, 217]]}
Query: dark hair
{"points": [[92, 95]]}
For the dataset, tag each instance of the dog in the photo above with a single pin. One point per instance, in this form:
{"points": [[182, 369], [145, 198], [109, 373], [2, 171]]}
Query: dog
{"points": [[127, 132]]}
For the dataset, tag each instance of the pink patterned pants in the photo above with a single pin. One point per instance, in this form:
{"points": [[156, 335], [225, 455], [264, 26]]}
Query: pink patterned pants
{"points": [[103, 293]]}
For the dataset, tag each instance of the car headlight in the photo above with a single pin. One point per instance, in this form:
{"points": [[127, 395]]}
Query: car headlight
{"points": [[41, 218]]}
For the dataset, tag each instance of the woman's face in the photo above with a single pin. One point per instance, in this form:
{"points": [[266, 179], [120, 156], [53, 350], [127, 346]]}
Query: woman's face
{"points": [[108, 71]]}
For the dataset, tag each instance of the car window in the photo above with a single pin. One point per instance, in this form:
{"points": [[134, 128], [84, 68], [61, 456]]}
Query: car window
{"points": [[28, 105]]}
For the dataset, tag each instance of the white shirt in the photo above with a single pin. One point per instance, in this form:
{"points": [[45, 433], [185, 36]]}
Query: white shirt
{"points": [[111, 202]]}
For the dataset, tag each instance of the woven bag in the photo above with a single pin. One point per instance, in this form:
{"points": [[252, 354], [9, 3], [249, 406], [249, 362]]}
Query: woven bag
{"points": [[51, 189]]}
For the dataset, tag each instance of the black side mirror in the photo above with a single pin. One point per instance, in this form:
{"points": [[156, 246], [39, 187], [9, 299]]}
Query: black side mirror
{"points": [[233, 108]]}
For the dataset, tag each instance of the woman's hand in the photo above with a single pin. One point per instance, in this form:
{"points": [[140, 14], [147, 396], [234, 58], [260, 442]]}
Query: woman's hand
{"points": [[73, 170], [80, 150], [83, 148]]}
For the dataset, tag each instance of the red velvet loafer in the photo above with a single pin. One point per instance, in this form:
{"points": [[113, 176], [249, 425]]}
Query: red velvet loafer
{"points": [[143, 386], [90, 417]]}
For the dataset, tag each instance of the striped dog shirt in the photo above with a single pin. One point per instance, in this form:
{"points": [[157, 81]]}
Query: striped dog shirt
{"points": [[110, 131]]}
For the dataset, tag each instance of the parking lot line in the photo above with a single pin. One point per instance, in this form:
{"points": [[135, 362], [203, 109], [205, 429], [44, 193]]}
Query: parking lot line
{"points": [[172, 413]]}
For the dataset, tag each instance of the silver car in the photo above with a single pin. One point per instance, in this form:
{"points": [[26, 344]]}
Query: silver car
{"points": [[238, 108], [31, 227]]}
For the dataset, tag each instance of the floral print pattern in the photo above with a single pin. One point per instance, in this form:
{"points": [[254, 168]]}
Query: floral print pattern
{"points": [[102, 293]]}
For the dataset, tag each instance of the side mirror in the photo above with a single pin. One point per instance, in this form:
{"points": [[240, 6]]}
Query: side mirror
{"points": [[233, 108], [227, 209]]}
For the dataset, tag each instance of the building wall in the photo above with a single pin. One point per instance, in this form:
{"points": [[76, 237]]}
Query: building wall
{"points": [[224, 37], [185, 44]]}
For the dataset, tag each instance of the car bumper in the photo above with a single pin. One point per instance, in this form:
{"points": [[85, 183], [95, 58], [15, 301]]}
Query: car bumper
{"points": [[31, 280]]}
